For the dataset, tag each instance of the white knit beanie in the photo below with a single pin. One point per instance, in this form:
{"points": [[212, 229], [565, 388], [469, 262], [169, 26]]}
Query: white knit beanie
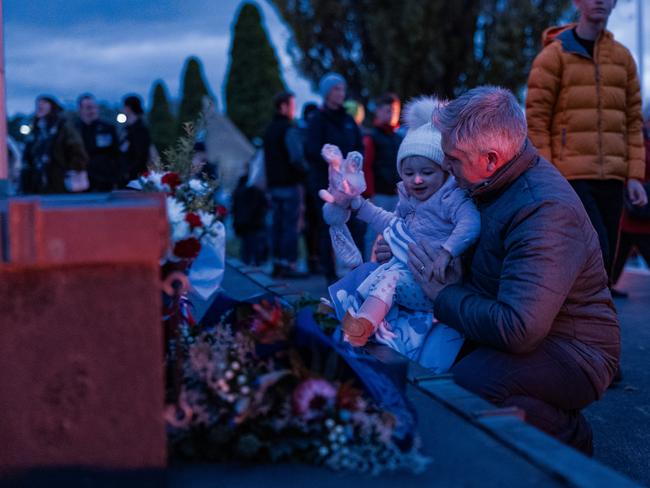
{"points": [[422, 138]]}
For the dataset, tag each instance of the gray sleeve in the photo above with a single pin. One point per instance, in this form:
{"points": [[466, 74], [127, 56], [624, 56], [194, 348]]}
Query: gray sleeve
{"points": [[377, 218], [467, 225]]}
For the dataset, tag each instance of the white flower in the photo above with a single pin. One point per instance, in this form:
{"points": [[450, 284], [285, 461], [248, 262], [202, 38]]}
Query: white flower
{"points": [[180, 231], [207, 219], [175, 210], [197, 186]]}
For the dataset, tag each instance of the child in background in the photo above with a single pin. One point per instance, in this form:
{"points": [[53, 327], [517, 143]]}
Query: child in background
{"points": [[249, 208]]}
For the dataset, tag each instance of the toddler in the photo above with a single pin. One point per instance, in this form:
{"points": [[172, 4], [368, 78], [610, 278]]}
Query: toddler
{"points": [[431, 208]]}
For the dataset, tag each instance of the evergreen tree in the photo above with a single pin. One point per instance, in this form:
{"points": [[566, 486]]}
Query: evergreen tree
{"points": [[194, 89], [416, 47], [254, 74], [162, 124]]}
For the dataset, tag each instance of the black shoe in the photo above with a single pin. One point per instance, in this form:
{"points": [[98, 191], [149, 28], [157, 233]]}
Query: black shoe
{"points": [[618, 293]]}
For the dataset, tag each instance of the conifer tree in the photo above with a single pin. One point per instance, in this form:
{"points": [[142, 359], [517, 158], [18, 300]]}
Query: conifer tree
{"points": [[194, 89], [254, 74], [162, 123]]}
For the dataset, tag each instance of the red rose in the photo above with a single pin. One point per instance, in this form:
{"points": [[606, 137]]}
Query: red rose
{"points": [[171, 179], [221, 211], [193, 219], [187, 248], [145, 174]]}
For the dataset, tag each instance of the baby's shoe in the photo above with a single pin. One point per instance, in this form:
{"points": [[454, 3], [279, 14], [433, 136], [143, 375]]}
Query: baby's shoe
{"points": [[357, 329]]}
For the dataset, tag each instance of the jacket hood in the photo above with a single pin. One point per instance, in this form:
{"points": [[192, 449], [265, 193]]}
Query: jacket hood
{"points": [[550, 34]]}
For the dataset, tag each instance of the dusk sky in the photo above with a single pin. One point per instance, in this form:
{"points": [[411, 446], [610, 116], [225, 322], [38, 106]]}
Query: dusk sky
{"points": [[114, 47]]}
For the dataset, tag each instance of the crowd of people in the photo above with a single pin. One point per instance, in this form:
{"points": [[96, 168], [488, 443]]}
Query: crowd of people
{"points": [[65, 154]]}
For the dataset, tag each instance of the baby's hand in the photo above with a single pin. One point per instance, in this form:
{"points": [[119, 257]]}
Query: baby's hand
{"points": [[440, 263]]}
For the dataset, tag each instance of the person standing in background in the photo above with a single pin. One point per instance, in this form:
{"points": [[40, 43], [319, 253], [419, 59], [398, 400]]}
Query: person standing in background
{"points": [[584, 115], [635, 230], [136, 141], [52, 149], [380, 148], [330, 125], [286, 169], [101, 143]]}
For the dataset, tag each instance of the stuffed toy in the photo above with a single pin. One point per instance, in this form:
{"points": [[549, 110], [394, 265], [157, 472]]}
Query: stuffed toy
{"points": [[346, 183]]}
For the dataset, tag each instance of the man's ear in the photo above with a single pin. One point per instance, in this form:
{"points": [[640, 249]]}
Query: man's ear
{"points": [[492, 160]]}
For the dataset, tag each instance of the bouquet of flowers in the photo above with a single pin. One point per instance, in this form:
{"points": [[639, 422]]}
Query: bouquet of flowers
{"points": [[193, 216], [266, 385]]}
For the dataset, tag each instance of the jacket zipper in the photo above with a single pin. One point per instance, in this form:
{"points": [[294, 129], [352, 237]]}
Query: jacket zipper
{"points": [[598, 109]]}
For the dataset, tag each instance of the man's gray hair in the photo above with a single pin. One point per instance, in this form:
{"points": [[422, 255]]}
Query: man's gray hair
{"points": [[482, 119]]}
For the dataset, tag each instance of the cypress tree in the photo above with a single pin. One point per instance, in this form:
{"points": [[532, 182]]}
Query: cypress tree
{"points": [[162, 123], [254, 74], [194, 89]]}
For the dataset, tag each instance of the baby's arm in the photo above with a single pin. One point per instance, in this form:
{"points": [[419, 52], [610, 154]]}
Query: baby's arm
{"points": [[467, 224], [376, 217]]}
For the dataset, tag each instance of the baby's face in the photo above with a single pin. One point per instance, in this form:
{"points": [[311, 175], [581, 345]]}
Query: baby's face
{"points": [[422, 177]]}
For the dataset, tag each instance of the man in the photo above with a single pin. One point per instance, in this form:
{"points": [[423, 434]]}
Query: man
{"points": [[584, 115], [101, 144], [286, 169], [535, 306], [330, 125], [136, 141]]}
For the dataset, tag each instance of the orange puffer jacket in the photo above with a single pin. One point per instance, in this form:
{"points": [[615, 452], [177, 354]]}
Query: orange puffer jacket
{"points": [[584, 113]]}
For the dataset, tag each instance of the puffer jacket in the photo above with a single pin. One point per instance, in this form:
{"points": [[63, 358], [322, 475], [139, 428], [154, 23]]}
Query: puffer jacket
{"points": [[537, 272], [584, 113], [448, 218]]}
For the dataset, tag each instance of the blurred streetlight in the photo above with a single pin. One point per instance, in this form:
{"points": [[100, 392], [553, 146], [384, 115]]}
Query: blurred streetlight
{"points": [[121, 118], [25, 129]]}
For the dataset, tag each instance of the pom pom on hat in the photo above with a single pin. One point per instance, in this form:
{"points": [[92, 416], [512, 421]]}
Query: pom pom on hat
{"points": [[422, 138]]}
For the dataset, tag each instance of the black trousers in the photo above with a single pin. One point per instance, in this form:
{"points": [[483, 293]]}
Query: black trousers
{"points": [[546, 384], [603, 201], [627, 241]]}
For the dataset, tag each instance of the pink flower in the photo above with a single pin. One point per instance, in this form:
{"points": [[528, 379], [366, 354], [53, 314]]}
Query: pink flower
{"points": [[312, 397]]}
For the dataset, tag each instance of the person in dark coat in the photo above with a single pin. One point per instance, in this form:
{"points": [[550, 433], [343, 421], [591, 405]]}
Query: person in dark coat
{"points": [[249, 207], [536, 304], [53, 148], [136, 141], [286, 169], [101, 144], [330, 125]]}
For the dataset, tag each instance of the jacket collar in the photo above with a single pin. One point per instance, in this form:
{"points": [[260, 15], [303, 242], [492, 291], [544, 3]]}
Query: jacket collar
{"points": [[571, 45], [512, 170]]}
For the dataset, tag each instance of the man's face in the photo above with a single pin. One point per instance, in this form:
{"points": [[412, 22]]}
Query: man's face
{"points": [[88, 110], [289, 109], [336, 96], [468, 168], [596, 11]]}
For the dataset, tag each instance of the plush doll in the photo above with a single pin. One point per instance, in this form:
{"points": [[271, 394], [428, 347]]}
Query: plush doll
{"points": [[346, 183]]}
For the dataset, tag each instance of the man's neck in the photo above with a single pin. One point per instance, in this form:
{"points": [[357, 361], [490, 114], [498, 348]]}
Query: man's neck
{"points": [[589, 31]]}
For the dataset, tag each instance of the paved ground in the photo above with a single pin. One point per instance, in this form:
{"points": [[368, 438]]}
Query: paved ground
{"points": [[621, 419]]}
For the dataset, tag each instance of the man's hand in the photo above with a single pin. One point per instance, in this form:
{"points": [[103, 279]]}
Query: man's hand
{"points": [[440, 264], [636, 193], [382, 251], [420, 261]]}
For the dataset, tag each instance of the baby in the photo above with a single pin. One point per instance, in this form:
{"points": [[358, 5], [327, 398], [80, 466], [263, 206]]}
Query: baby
{"points": [[431, 208]]}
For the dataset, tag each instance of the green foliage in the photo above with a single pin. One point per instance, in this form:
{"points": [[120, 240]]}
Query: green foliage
{"points": [[254, 74], [419, 47], [194, 89], [162, 123]]}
